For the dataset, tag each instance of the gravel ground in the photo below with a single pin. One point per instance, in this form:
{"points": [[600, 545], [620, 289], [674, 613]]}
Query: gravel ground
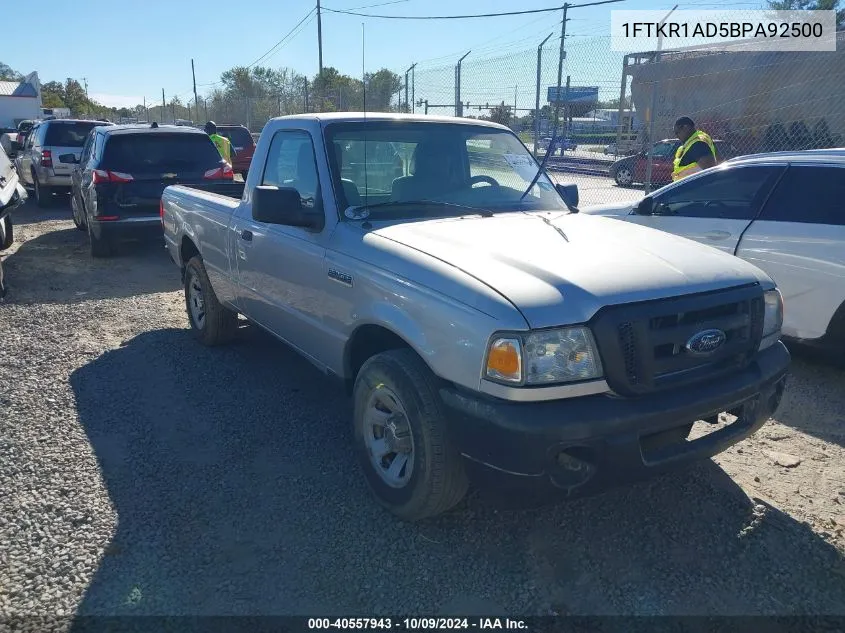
{"points": [[141, 473]]}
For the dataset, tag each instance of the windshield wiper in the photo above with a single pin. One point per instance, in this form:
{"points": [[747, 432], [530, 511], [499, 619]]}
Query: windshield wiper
{"points": [[356, 211]]}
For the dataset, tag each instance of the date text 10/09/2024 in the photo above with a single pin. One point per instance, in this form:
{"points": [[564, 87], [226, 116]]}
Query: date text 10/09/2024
{"points": [[417, 624]]}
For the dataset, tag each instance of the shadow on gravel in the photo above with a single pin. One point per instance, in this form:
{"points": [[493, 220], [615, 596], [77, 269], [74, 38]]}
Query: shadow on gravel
{"points": [[814, 400], [236, 493], [57, 267], [30, 213]]}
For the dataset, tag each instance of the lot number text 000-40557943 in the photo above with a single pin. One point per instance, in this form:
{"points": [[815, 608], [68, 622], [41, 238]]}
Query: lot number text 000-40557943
{"points": [[417, 624]]}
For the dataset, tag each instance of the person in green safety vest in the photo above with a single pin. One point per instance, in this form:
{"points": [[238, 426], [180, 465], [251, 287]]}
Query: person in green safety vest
{"points": [[224, 146], [697, 151]]}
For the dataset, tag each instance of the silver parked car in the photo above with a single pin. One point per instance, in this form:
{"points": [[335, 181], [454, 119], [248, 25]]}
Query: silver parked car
{"points": [[49, 154]]}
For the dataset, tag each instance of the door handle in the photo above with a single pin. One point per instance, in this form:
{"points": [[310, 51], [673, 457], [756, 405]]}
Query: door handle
{"points": [[717, 235], [246, 235]]}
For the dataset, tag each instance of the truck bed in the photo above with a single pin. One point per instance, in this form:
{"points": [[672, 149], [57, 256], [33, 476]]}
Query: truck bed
{"points": [[221, 188]]}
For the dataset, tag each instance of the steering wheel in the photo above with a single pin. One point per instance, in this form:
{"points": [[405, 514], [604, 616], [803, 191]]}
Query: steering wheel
{"points": [[482, 178]]}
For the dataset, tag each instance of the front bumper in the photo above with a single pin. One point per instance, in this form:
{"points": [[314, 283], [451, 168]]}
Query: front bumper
{"points": [[587, 444]]}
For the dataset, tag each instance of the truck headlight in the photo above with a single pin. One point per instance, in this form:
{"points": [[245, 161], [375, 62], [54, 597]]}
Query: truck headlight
{"points": [[772, 317], [544, 357]]}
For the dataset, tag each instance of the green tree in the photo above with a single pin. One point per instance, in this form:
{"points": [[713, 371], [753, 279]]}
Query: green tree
{"points": [[811, 5], [53, 95], [500, 114], [382, 86], [9, 74], [75, 98]]}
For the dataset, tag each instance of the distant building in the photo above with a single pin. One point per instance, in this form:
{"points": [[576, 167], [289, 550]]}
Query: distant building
{"points": [[19, 101]]}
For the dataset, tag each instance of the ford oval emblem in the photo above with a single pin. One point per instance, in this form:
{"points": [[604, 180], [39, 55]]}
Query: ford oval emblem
{"points": [[706, 342]]}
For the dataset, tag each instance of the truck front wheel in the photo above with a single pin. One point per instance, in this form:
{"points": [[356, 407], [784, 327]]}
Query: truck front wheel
{"points": [[401, 438], [212, 322]]}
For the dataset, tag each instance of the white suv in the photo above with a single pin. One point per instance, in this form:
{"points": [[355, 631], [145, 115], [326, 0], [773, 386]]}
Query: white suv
{"points": [[50, 153], [783, 212]]}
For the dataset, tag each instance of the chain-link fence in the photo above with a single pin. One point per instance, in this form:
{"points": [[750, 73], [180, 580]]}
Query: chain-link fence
{"points": [[611, 113]]}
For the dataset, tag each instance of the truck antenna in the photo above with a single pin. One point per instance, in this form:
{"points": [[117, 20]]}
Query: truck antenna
{"points": [[364, 90]]}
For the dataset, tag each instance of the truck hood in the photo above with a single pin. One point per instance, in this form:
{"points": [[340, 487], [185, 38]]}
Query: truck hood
{"points": [[562, 268], [615, 209]]}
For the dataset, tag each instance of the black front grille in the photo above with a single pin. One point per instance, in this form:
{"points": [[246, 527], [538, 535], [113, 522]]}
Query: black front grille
{"points": [[643, 345]]}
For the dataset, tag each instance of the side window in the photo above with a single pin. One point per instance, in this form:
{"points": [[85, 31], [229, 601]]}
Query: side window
{"points": [[86, 149], [733, 194], [30, 138], [291, 163], [663, 150], [813, 195]]}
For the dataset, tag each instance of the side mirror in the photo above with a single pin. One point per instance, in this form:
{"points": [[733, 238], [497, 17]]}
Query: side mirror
{"points": [[645, 206], [15, 146], [569, 193], [283, 205]]}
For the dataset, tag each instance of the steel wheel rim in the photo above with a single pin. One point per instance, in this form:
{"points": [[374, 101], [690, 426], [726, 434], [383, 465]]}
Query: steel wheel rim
{"points": [[624, 176], [196, 302], [388, 438]]}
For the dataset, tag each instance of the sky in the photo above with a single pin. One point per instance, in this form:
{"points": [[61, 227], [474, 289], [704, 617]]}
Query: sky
{"points": [[132, 53]]}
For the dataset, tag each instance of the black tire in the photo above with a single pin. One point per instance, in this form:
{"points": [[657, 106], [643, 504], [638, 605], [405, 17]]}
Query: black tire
{"points": [[624, 176], [3, 288], [77, 214], [43, 194], [8, 233], [220, 323], [100, 247], [244, 174], [437, 481]]}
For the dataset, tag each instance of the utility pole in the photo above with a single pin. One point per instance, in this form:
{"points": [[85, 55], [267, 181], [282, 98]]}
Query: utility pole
{"points": [[561, 57], [163, 107], [319, 39], [196, 99], [146, 116], [653, 107], [410, 70], [205, 105], [537, 95], [87, 102], [515, 88], [459, 106]]}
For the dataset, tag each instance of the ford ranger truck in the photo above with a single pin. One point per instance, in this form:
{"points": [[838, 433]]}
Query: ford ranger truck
{"points": [[486, 331]]}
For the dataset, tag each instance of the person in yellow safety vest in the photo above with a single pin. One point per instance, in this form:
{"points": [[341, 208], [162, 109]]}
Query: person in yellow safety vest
{"points": [[697, 151], [224, 145]]}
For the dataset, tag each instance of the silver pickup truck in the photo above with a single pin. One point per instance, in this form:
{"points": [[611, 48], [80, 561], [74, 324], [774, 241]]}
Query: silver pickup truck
{"points": [[486, 331]]}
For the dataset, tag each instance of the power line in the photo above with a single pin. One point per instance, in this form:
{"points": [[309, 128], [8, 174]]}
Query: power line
{"points": [[445, 17], [371, 6], [279, 43]]}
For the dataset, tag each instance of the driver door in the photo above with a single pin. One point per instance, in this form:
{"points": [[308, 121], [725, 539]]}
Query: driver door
{"points": [[713, 208]]}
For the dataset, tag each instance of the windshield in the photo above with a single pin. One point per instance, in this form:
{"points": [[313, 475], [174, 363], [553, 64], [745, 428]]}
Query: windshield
{"points": [[157, 152], [238, 136], [68, 134], [464, 167], [663, 149]]}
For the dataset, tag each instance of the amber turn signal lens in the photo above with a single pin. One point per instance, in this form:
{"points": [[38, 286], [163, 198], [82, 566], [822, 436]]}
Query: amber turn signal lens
{"points": [[504, 360]]}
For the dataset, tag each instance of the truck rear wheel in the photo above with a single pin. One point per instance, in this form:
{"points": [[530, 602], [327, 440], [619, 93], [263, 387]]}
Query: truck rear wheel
{"points": [[212, 322], [401, 437]]}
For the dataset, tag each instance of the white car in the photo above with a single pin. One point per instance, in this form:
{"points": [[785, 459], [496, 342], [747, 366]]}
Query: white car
{"points": [[783, 212]]}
